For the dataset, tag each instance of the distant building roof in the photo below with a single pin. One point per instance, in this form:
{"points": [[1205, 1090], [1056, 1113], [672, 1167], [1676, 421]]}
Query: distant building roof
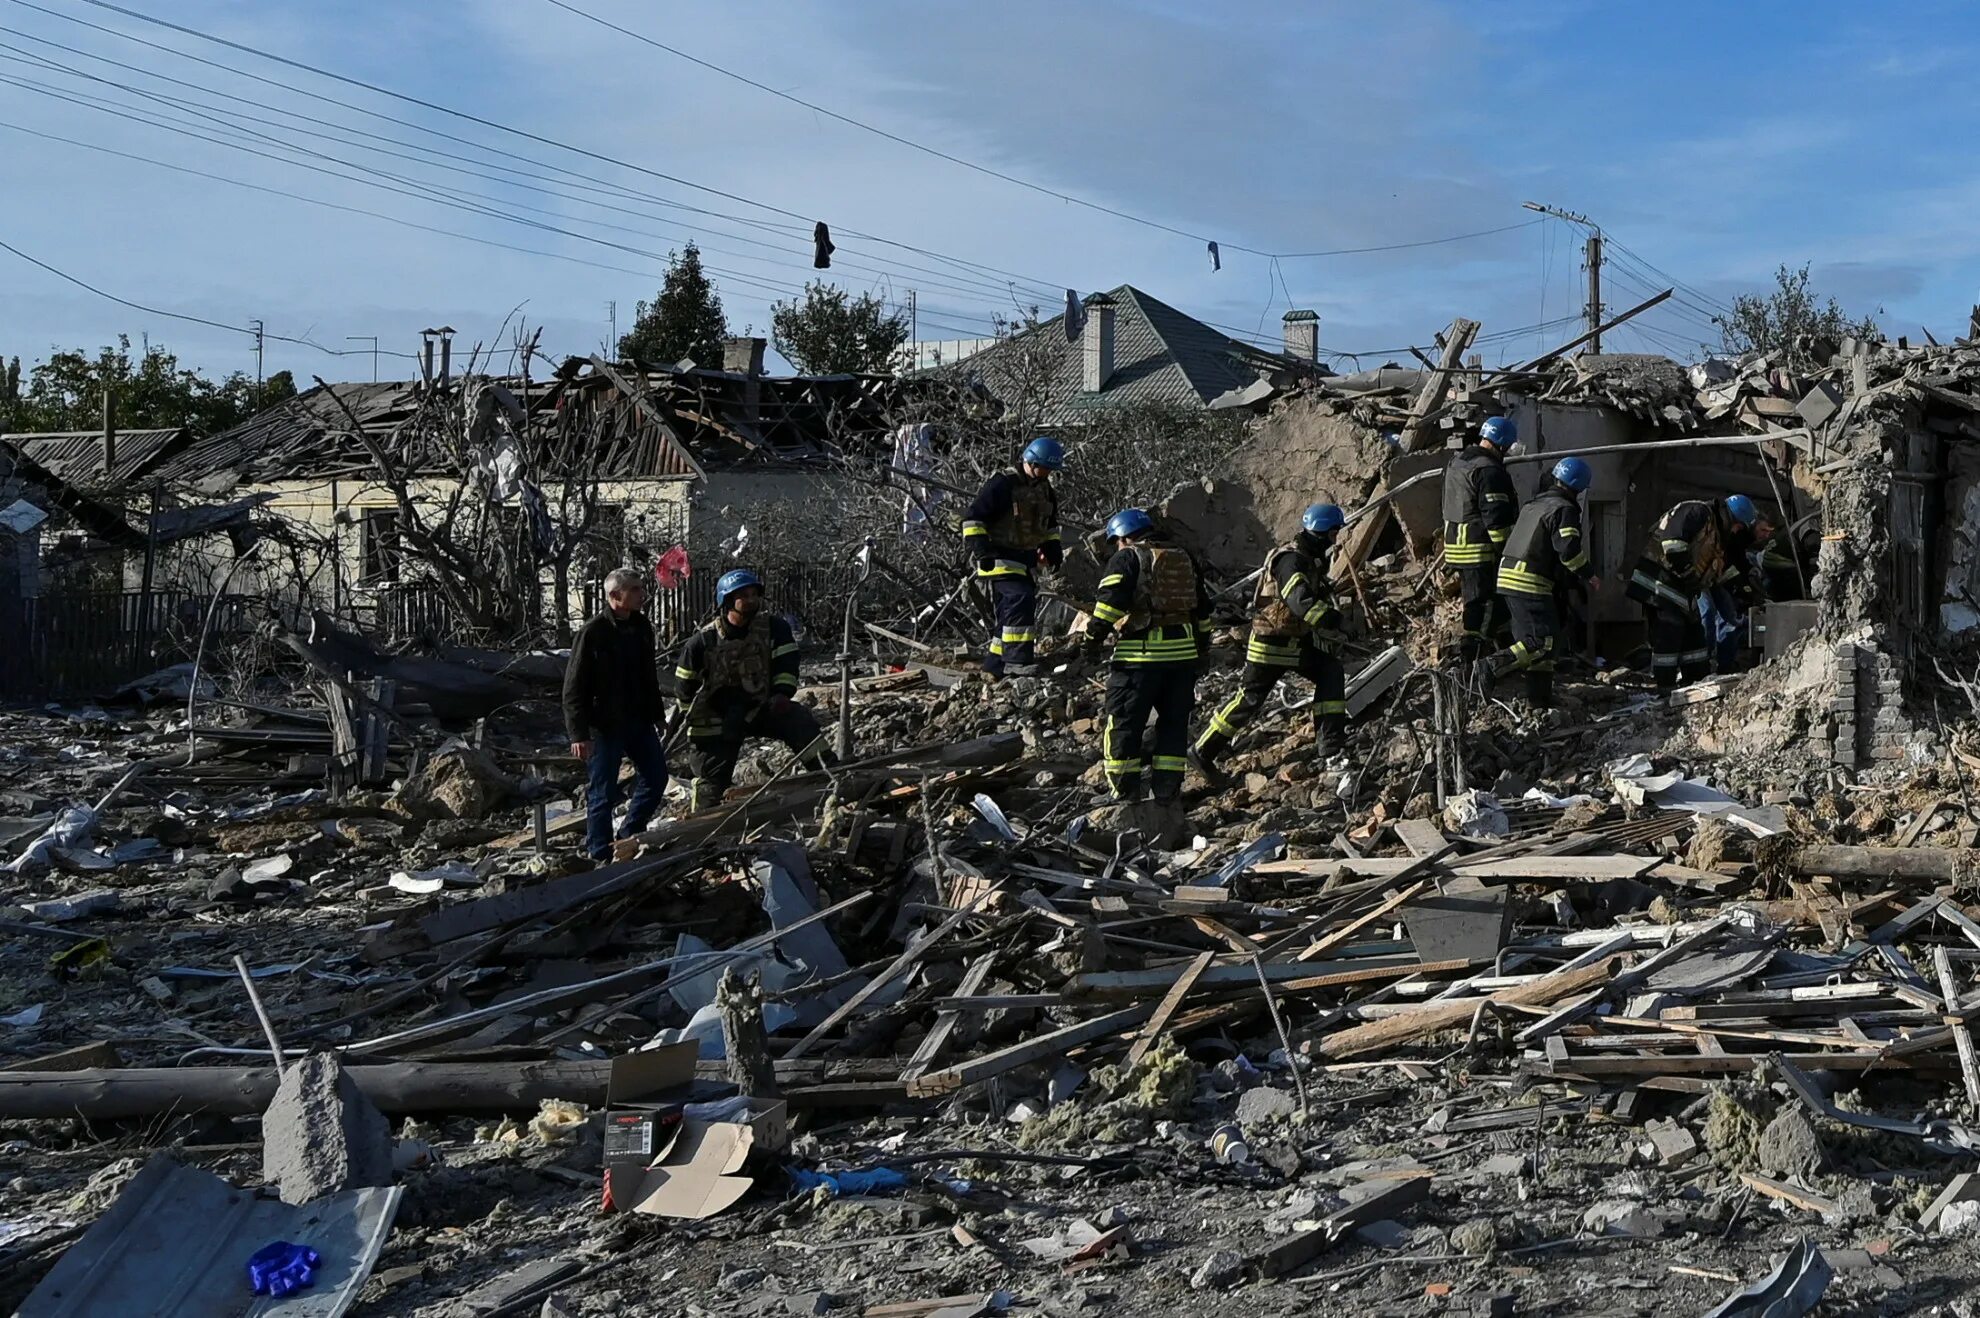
{"points": [[1161, 355], [76, 456]]}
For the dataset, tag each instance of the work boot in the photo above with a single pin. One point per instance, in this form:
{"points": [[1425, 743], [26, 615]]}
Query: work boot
{"points": [[1330, 735], [1203, 758], [1540, 690]]}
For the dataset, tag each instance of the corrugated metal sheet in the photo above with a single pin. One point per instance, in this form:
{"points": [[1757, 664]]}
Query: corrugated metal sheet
{"points": [[77, 455], [178, 1239]]}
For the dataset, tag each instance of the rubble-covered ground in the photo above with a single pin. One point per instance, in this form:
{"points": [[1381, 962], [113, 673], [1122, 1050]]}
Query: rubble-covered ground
{"points": [[1627, 1146]]}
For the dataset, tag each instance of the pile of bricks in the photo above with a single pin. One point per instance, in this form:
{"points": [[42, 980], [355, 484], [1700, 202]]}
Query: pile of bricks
{"points": [[1866, 721]]}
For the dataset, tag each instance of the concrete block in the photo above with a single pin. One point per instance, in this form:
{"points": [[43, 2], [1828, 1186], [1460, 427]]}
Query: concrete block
{"points": [[1819, 404], [1468, 919], [321, 1135]]}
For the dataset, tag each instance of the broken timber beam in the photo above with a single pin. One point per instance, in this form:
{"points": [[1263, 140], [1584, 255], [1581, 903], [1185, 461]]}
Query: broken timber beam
{"points": [[1457, 342], [1939, 865]]}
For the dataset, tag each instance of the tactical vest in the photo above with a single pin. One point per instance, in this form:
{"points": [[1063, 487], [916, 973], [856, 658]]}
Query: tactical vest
{"points": [[1531, 565], [1270, 615], [1467, 543], [740, 662], [1164, 589], [1031, 514], [1708, 549]]}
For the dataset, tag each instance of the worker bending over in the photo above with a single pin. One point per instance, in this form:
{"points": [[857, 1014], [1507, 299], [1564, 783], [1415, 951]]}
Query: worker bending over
{"points": [[736, 679], [1153, 594], [1696, 545], [1294, 629], [1010, 530], [1546, 552], [1479, 510]]}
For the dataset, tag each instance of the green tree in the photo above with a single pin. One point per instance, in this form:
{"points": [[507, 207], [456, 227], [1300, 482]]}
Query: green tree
{"points": [[153, 393], [1787, 318], [683, 320], [831, 333]]}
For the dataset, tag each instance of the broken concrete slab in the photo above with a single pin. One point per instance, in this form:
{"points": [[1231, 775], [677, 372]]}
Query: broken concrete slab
{"points": [[321, 1135]]}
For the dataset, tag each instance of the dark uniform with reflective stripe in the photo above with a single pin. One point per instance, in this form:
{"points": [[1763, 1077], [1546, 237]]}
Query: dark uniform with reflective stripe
{"points": [[1012, 527], [1690, 551], [1293, 621], [1479, 510], [1154, 595], [1546, 550], [737, 683]]}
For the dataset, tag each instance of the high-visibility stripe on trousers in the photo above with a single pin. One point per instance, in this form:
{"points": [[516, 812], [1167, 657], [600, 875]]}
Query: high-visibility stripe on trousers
{"points": [[1015, 598], [1134, 693]]}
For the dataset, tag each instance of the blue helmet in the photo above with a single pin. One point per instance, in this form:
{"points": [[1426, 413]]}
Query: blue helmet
{"points": [[1047, 453], [732, 583], [1127, 522], [1573, 473], [1499, 431], [1741, 509], [1321, 518]]}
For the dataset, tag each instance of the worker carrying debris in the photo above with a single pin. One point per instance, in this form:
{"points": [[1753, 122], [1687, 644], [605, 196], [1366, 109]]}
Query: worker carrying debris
{"points": [[1696, 545], [1479, 510], [1294, 627], [1153, 593], [612, 707], [1009, 531], [1545, 552], [736, 679]]}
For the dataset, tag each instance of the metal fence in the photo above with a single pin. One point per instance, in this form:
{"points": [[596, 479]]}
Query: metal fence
{"points": [[88, 642]]}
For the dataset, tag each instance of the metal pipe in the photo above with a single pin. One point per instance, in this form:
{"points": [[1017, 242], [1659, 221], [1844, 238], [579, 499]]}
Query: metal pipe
{"points": [[261, 1014], [845, 649]]}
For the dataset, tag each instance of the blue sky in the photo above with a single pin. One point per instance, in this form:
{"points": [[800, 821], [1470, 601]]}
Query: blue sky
{"points": [[1713, 142]]}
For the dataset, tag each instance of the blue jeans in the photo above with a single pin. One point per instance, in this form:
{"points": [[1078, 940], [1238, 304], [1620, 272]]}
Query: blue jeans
{"points": [[641, 745]]}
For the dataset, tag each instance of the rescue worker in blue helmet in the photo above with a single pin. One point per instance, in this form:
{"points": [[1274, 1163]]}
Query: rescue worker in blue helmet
{"points": [[1694, 547], [736, 678], [1480, 508], [1545, 552], [1153, 603], [1295, 628], [1010, 530]]}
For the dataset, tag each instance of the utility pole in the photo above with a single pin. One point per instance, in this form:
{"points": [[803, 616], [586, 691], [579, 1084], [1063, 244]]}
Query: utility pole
{"points": [[612, 319], [257, 361], [1592, 257], [372, 339]]}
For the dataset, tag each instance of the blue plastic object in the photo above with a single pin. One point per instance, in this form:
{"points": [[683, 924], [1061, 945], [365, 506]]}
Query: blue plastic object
{"points": [[866, 1182], [1742, 510], [1128, 521], [279, 1268], [1047, 453], [1573, 473], [1320, 518], [1500, 431], [739, 580]]}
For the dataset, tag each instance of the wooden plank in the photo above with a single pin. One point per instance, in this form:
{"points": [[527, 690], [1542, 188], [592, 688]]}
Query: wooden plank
{"points": [[1729, 1064], [1385, 1200], [1423, 837], [1167, 1007], [1125, 984], [1788, 1194], [1457, 341], [1506, 869], [1320, 947], [1969, 1064], [1393, 1031], [1053, 1044], [938, 1034]]}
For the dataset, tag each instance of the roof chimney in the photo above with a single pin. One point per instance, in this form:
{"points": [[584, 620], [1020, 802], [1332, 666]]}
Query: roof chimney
{"points": [[1303, 335], [109, 431], [743, 356], [1098, 337]]}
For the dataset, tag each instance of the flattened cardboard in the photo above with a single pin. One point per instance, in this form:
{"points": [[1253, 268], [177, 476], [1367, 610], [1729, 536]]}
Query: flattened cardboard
{"points": [[658, 1162]]}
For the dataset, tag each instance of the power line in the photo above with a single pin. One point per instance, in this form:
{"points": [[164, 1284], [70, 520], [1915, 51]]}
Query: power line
{"points": [[1396, 247]]}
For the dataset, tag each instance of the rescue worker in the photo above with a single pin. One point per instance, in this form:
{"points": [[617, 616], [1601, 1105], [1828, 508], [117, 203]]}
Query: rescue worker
{"points": [[1479, 510], [1545, 552], [1693, 548], [1009, 531], [1293, 623], [1152, 595], [736, 677]]}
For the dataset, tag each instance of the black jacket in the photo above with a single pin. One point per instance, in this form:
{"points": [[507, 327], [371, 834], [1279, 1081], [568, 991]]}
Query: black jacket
{"points": [[1479, 507], [611, 683], [1546, 548]]}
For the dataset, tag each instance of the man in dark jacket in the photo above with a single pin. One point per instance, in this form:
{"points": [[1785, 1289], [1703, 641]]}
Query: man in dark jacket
{"points": [[1009, 531], [736, 678], [1153, 595], [611, 709], [1694, 547], [1479, 510]]}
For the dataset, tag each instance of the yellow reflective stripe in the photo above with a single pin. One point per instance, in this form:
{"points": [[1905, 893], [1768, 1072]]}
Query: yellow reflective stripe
{"points": [[1297, 578], [1330, 706], [785, 679], [782, 650], [1498, 537], [1497, 498], [1051, 538], [1318, 613], [1112, 579], [1106, 612], [1005, 567], [1463, 534], [1576, 561], [975, 528], [1171, 763], [1262, 652], [1220, 722], [1671, 546], [686, 674], [1467, 555], [1018, 635], [1565, 531], [1516, 576]]}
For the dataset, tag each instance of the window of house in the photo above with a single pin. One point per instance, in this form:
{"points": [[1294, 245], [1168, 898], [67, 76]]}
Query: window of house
{"points": [[378, 545]]}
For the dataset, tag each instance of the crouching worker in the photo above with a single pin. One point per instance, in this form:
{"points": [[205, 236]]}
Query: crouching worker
{"points": [[612, 711], [1294, 624], [736, 678], [1152, 593]]}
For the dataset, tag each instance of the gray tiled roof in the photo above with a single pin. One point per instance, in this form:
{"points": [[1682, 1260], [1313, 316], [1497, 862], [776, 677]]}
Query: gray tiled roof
{"points": [[1161, 355], [77, 455]]}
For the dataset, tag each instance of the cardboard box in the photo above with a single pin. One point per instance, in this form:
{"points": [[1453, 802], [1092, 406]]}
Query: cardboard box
{"points": [[660, 1160]]}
